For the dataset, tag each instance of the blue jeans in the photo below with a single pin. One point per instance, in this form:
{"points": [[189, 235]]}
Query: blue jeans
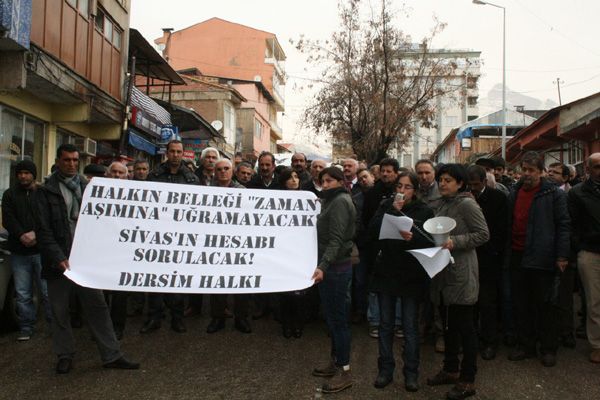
{"points": [[335, 299], [360, 285], [410, 323], [373, 311], [27, 269]]}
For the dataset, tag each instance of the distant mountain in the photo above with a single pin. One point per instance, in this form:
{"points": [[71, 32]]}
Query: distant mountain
{"points": [[493, 101]]}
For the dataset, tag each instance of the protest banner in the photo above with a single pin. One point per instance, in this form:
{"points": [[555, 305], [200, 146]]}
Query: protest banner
{"points": [[161, 237]]}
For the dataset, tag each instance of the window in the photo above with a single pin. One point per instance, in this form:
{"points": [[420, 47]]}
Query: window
{"points": [[229, 124], [472, 101], [100, 20], [451, 121], [83, 7], [258, 129], [117, 38], [109, 29]]}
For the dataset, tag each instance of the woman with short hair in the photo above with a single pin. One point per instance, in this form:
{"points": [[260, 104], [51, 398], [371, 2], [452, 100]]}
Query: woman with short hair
{"points": [[335, 231], [456, 288]]}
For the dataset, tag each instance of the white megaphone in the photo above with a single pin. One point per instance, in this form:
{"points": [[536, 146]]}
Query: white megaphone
{"points": [[439, 228]]}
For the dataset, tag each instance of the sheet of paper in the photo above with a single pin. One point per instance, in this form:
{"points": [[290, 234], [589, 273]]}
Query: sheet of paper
{"points": [[392, 225], [433, 259]]}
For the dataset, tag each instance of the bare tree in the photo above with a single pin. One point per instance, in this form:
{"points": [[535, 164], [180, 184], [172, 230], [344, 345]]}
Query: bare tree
{"points": [[376, 82]]}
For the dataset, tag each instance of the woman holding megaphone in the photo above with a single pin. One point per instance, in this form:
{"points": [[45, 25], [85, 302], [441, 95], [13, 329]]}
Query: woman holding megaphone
{"points": [[398, 274], [455, 289]]}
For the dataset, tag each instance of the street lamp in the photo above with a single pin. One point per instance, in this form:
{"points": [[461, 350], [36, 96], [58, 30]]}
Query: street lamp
{"points": [[484, 3]]}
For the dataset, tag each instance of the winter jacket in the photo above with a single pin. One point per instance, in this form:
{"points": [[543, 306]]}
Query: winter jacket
{"points": [[431, 196], [335, 227], [397, 272], [162, 173], [257, 183], [53, 232], [494, 205], [458, 283], [548, 228], [17, 217], [584, 208]]}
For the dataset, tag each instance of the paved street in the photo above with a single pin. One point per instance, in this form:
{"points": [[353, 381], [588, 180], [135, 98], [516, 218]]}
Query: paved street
{"points": [[262, 365]]}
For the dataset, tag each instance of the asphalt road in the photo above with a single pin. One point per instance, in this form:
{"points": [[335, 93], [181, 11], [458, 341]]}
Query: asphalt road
{"points": [[262, 365]]}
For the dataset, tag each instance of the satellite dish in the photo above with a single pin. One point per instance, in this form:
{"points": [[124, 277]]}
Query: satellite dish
{"points": [[257, 78], [218, 125]]}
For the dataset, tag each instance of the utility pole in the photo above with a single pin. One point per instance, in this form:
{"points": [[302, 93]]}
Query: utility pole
{"points": [[558, 82]]}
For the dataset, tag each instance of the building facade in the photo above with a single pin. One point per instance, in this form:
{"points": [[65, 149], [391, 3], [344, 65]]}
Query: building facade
{"points": [[457, 107], [61, 79], [250, 59]]}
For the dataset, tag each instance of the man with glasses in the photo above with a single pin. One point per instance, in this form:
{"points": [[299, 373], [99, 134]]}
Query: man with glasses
{"points": [[218, 302]]}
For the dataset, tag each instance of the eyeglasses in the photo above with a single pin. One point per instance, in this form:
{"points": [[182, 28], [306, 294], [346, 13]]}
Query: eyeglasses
{"points": [[406, 187]]}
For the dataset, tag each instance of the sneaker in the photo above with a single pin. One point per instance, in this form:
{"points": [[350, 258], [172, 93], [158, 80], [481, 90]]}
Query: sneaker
{"points": [[398, 332], [326, 371], [23, 336], [374, 331], [340, 381]]}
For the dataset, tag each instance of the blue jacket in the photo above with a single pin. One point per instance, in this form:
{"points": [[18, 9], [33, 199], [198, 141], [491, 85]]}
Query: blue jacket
{"points": [[548, 227]]}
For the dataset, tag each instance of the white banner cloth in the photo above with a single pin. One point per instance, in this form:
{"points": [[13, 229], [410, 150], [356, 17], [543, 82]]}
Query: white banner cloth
{"points": [[161, 237]]}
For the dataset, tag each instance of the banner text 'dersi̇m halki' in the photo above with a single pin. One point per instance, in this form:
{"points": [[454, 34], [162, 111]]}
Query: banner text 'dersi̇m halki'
{"points": [[160, 237]]}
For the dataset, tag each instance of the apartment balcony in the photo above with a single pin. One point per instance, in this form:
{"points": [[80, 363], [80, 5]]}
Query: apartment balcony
{"points": [[276, 131]]}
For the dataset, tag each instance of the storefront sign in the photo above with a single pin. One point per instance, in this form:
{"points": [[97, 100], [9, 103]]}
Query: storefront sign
{"points": [[159, 237], [144, 121]]}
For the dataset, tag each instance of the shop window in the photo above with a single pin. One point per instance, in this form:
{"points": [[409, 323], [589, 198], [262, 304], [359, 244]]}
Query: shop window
{"points": [[21, 137]]}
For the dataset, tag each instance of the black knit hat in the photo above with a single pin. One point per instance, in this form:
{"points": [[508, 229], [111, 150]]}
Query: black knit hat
{"points": [[26, 165]]}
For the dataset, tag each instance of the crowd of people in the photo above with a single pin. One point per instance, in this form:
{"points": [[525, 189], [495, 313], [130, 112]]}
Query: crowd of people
{"points": [[521, 246]]}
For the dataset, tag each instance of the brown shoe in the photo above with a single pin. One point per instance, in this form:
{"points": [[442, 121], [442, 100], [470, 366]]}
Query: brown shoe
{"points": [[595, 356], [340, 381], [443, 378], [326, 371], [440, 345], [461, 391]]}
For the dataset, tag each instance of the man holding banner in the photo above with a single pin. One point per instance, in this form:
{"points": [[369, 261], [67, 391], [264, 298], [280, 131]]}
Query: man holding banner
{"points": [[218, 302], [57, 214], [171, 171]]}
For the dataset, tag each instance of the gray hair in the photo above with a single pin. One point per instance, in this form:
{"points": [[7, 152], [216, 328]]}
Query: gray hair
{"points": [[119, 163], [210, 150], [224, 160]]}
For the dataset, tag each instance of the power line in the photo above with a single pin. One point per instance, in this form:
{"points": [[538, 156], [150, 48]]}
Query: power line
{"points": [[553, 29]]}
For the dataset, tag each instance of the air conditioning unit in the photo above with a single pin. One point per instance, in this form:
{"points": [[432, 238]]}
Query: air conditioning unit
{"points": [[86, 146]]}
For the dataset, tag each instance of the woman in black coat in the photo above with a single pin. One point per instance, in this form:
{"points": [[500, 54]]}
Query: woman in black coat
{"points": [[292, 304], [397, 274]]}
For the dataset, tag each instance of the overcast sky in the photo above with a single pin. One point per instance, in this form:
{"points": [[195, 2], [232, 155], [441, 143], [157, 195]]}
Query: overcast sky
{"points": [[546, 39]]}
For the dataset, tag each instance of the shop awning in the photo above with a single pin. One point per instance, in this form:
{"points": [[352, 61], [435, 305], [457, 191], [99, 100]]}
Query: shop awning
{"points": [[149, 62], [138, 142]]}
